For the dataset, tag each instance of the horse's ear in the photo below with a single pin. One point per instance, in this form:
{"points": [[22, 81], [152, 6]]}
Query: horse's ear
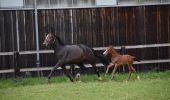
{"points": [[52, 29], [110, 46], [46, 29]]}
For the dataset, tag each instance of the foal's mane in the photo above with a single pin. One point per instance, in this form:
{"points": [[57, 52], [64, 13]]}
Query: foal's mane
{"points": [[113, 50]]}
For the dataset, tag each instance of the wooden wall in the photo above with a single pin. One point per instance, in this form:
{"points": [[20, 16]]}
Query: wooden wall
{"points": [[95, 27]]}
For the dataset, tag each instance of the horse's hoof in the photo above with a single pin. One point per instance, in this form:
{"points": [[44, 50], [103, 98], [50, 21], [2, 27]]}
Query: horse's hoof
{"points": [[77, 78], [99, 78], [138, 77], [79, 81], [72, 80]]}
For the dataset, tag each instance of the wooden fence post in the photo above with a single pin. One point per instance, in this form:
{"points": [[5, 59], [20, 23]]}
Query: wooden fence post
{"points": [[16, 64]]}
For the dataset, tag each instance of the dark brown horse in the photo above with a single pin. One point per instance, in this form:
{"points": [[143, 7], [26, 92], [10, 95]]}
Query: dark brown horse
{"points": [[70, 54], [118, 60]]}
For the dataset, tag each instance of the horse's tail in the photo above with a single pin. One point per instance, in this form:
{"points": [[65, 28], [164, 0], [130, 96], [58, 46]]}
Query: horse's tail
{"points": [[101, 57], [98, 55]]}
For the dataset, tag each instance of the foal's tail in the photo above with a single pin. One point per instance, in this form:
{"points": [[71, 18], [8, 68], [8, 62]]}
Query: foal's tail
{"points": [[136, 59], [101, 57]]}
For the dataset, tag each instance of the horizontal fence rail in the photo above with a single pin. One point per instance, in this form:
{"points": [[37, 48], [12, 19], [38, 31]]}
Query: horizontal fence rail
{"points": [[137, 46], [85, 7], [95, 48]]}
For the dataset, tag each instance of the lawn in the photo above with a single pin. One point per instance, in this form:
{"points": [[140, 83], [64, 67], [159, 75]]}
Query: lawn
{"points": [[152, 86]]}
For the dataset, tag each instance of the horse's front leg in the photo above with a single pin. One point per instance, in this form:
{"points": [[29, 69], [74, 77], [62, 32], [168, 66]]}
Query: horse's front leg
{"points": [[97, 71], [108, 67], [53, 69], [72, 69], [83, 68]]}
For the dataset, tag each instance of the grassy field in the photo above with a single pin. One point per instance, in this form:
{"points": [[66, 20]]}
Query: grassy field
{"points": [[152, 86]]}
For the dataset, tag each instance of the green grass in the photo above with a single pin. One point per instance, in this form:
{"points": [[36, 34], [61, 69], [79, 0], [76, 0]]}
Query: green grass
{"points": [[152, 86]]}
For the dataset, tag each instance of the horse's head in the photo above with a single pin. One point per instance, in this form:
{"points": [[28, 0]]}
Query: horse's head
{"points": [[49, 39]]}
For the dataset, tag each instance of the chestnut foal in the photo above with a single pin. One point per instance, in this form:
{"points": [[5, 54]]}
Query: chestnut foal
{"points": [[118, 60]]}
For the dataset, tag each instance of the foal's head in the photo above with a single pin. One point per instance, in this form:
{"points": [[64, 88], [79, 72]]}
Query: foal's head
{"points": [[49, 39], [110, 50]]}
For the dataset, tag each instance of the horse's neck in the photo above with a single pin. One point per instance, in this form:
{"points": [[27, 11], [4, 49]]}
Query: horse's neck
{"points": [[58, 44], [59, 41]]}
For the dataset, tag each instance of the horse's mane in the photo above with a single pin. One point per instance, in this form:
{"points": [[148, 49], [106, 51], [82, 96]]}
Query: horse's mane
{"points": [[59, 40]]}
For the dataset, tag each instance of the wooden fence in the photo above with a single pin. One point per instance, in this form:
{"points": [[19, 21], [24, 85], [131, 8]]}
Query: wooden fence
{"points": [[94, 27]]}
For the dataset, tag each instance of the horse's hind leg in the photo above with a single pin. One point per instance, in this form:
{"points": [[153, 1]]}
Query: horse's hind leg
{"points": [[68, 74]]}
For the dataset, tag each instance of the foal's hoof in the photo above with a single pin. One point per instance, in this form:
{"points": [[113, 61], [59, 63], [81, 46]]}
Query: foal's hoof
{"points": [[99, 78], [138, 77], [113, 78], [48, 81]]}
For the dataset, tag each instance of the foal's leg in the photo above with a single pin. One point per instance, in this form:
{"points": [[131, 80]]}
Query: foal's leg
{"points": [[137, 76], [113, 72], [130, 72], [130, 68], [110, 65]]}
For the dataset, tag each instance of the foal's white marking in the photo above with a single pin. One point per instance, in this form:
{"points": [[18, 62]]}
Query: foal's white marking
{"points": [[105, 52]]}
